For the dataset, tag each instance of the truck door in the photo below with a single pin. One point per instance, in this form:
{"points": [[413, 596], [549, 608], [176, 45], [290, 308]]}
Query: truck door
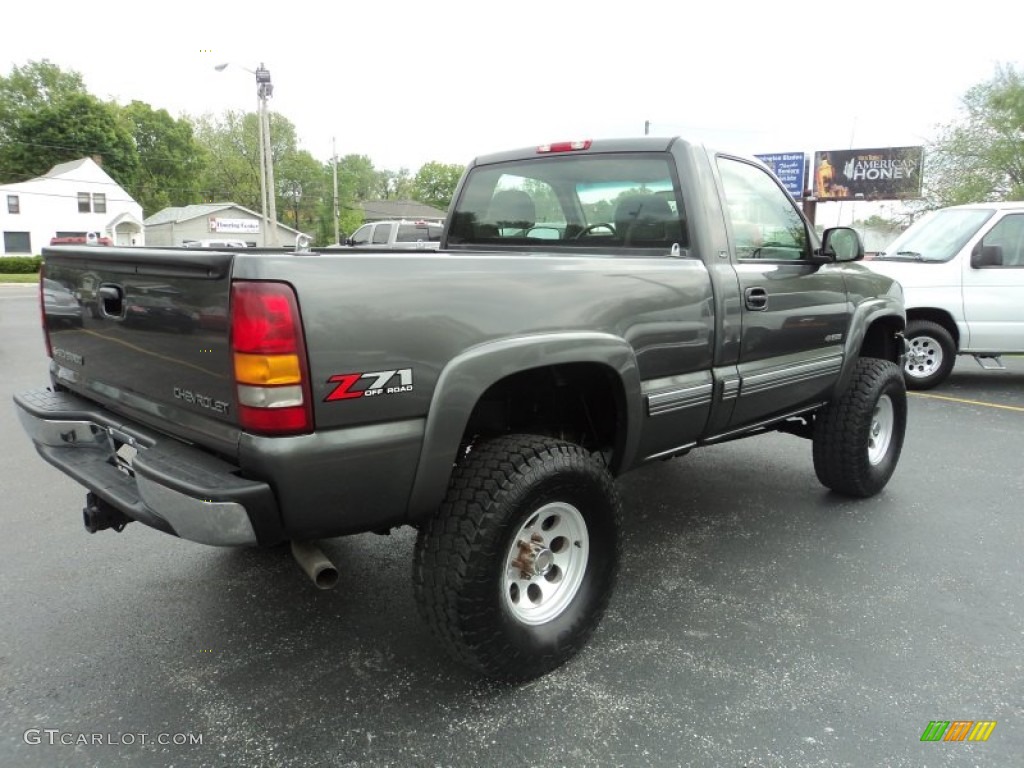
{"points": [[794, 311], [993, 288]]}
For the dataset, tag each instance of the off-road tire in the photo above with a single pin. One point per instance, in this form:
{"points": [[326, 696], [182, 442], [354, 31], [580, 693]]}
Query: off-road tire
{"points": [[858, 438], [931, 356], [461, 571]]}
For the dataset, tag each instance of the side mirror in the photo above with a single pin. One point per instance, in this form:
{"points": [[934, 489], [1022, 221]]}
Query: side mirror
{"points": [[987, 256], [841, 244], [347, 241]]}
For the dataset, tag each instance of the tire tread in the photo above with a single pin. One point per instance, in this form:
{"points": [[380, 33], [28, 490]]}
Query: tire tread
{"points": [[841, 428], [453, 600]]}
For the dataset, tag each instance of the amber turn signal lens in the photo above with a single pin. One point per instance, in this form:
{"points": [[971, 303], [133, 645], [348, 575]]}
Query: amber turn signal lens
{"points": [[267, 370]]}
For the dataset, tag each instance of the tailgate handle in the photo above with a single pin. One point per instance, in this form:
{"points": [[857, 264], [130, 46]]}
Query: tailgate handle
{"points": [[111, 300]]}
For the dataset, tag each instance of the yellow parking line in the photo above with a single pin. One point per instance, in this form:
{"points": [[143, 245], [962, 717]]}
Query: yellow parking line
{"points": [[969, 402]]}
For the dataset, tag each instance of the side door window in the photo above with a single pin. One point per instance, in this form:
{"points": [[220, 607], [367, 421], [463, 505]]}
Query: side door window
{"points": [[1006, 242], [382, 234], [362, 235], [763, 221]]}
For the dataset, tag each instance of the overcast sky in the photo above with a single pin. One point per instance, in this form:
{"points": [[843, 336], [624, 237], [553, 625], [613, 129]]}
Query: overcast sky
{"points": [[410, 82]]}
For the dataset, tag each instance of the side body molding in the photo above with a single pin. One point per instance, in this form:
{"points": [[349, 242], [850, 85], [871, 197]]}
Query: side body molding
{"points": [[470, 374]]}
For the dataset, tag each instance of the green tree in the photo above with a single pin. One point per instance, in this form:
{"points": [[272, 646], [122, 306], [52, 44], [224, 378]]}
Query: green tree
{"points": [[231, 166], [393, 185], [170, 159], [231, 170], [434, 184], [48, 117], [302, 185], [78, 125], [34, 86], [357, 178], [358, 181], [980, 156]]}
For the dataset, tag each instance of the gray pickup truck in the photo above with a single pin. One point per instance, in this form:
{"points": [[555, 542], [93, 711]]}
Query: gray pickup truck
{"points": [[595, 306]]}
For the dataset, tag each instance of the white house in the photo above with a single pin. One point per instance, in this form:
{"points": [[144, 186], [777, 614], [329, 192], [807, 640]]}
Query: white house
{"points": [[72, 199]]}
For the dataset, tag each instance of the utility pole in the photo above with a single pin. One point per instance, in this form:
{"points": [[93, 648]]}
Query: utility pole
{"points": [[334, 157], [263, 166], [265, 90], [268, 196]]}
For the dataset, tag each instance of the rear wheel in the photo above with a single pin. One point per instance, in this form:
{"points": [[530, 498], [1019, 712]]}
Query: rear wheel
{"points": [[515, 570], [858, 438], [931, 353]]}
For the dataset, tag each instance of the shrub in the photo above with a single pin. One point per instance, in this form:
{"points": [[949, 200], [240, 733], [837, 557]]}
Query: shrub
{"points": [[20, 265]]}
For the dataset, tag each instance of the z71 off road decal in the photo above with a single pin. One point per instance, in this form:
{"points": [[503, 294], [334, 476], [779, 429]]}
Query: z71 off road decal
{"points": [[371, 384]]}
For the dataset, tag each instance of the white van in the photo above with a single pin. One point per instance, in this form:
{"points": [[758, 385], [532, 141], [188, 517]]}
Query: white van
{"points": [[962, 272]]}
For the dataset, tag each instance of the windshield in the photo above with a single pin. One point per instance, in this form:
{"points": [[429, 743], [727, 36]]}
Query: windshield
{"points": [[620, 200], [938, 237]]}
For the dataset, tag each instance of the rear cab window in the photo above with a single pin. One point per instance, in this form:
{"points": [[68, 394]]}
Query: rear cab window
{"points": [[418, 232], [585, 202]]}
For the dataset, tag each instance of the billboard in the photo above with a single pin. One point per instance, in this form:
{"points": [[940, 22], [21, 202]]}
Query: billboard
{"points": [[890, 173], [789, 167]]}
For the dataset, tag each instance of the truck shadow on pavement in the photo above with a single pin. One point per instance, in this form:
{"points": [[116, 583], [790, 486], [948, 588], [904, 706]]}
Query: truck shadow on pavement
{"points": [[686, 525], [723, 553]]}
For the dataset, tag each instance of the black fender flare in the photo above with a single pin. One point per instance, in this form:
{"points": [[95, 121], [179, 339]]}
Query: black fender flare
{"points": [[864, 316], [467, 376]]}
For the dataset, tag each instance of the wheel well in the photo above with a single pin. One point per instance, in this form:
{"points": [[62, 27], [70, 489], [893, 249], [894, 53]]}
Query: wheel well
{"points": [[939, 316], [583, 403], [880, 339]]}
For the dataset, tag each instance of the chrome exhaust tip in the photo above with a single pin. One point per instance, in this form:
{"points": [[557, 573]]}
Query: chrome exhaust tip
{"points": [[315, 563]]}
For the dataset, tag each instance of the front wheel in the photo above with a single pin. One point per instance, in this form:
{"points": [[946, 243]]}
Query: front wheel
{"points": [[859, 436], [515, 570], [931, 353]]}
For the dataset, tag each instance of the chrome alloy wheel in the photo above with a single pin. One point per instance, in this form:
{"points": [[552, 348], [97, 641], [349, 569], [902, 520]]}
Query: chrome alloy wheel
{"points": [[924, 356], [883, 422], [546, 563]]}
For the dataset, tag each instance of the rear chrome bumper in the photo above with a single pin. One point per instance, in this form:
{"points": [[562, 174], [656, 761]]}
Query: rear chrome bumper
{"points": [[151, 478]]}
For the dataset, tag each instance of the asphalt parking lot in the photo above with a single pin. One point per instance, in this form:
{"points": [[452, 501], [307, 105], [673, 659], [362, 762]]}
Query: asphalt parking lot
{"points": [[759, 620]]}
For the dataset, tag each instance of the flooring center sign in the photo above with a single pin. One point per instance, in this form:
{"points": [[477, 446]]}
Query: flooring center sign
{"points": [[239, 226], [891, 173]]}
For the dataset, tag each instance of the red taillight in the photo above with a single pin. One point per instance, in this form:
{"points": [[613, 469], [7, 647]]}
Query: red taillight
{"points": [[264, 318], [269, 358], [42, 313], [564, 146]]}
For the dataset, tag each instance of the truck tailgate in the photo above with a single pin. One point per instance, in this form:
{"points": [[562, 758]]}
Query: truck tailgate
{"points": [[151, 338]]}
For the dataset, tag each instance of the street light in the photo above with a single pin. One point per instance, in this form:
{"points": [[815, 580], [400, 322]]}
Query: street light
{"points": [[264, 90]]}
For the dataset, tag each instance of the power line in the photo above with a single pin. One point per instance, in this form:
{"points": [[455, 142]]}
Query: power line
{"points": [[19, 192]]}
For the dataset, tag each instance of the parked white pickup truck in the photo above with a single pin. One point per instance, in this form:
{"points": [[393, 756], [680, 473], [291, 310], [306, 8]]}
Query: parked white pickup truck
{"points": [[962, 271], [398, 235]]}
